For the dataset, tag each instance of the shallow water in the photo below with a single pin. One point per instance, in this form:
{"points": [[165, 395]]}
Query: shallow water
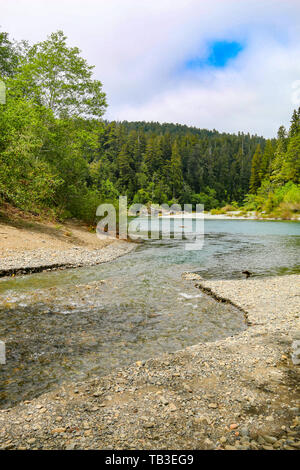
{"points": [[68, 325]]}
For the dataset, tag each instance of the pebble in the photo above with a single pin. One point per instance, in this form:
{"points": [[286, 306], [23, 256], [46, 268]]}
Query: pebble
{"points": [[270, 439], [251, 397]]}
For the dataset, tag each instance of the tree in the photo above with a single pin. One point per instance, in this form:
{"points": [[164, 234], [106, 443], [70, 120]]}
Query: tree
{"points": [[281, 147], [295, 123], [8, 56], [266, 160], [56, 76], [26, 180], [126, 180], [290, 170], [176, 171], [255, 178], [153, 154]]}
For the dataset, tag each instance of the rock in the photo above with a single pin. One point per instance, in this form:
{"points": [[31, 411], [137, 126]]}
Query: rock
{"points": [[172, 407], [191, 276], [58, 430], [148, 425], [261, 440], [270, 439], [267, 447], [202, 419], [209, 444], [213, 405], [244, 432], [164, 400], [70, 446], [229, 447], [233, 426], [296, 445], [296, 352]]}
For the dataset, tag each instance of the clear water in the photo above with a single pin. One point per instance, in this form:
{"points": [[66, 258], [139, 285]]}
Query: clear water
{"points": [[68, 325]]}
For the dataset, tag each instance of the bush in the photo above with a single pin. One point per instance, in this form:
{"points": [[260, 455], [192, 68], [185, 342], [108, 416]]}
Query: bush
{"points": [[280, 202], [229, 208], [217, 211]]}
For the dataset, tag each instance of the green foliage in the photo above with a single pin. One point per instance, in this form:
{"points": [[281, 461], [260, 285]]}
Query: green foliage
{"points": [[255, 178], [56, 154], [275, 174], [174, 162], [26, 180], [54, 75], [290, 170], [48, 135], [291, 193], [9, 56]]}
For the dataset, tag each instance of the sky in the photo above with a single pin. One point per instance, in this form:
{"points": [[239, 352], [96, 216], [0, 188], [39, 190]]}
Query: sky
{"points": [[230, 65]]}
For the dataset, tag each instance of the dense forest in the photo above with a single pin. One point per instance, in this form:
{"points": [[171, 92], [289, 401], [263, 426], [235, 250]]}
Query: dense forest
{"points": [[59, 157]]}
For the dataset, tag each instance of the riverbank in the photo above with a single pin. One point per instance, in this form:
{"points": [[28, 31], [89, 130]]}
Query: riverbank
{"points": [[237, 393], [250, 215], [229, 215], [29, 246]]}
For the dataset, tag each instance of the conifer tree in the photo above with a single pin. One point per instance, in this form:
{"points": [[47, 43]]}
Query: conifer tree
{"points": [[295, 123], [255, 179], [176, 171], [266, 161]]}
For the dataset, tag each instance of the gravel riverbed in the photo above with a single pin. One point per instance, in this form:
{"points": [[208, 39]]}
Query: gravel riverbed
{"points": [[48, 259], [241, 392]]}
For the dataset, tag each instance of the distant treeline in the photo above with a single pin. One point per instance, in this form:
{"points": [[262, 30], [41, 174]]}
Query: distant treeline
{"points": [[175, 163], [57, 155]]}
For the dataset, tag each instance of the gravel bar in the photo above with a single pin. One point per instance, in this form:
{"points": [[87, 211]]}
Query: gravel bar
{"points": [[237, 393], [39, 260]]}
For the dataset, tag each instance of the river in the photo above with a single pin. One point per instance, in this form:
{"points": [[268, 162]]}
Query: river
{"points": [[73, 324]]}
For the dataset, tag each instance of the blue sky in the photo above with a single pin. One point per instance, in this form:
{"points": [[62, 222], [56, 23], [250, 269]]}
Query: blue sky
{"points": [[219, 53], [232, 65]]}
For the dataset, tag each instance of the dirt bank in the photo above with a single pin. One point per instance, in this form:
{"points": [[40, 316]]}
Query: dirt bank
{"points": [[29, 245]]}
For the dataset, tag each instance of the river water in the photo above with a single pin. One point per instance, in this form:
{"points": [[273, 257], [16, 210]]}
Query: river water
{"points": [[73, 324]]}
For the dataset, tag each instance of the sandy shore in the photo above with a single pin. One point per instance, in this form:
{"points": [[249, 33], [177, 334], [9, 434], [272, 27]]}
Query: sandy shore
{"points": [[28, 247], [230, 215], [238, 393]]}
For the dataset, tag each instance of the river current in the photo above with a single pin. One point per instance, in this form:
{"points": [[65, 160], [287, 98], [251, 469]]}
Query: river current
{"points": [[73, 324]]}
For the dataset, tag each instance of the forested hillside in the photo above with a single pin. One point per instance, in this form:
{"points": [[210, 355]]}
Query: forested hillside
{"points": [[170, 162], [58, 157]]}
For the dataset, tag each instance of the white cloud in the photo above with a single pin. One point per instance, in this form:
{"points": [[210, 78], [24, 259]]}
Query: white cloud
{"points": [[139, 47]]}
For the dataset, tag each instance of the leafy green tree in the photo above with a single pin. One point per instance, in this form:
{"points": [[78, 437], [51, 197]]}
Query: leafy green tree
{"points": [[56, 76], [9, 56], [26, 179]]}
